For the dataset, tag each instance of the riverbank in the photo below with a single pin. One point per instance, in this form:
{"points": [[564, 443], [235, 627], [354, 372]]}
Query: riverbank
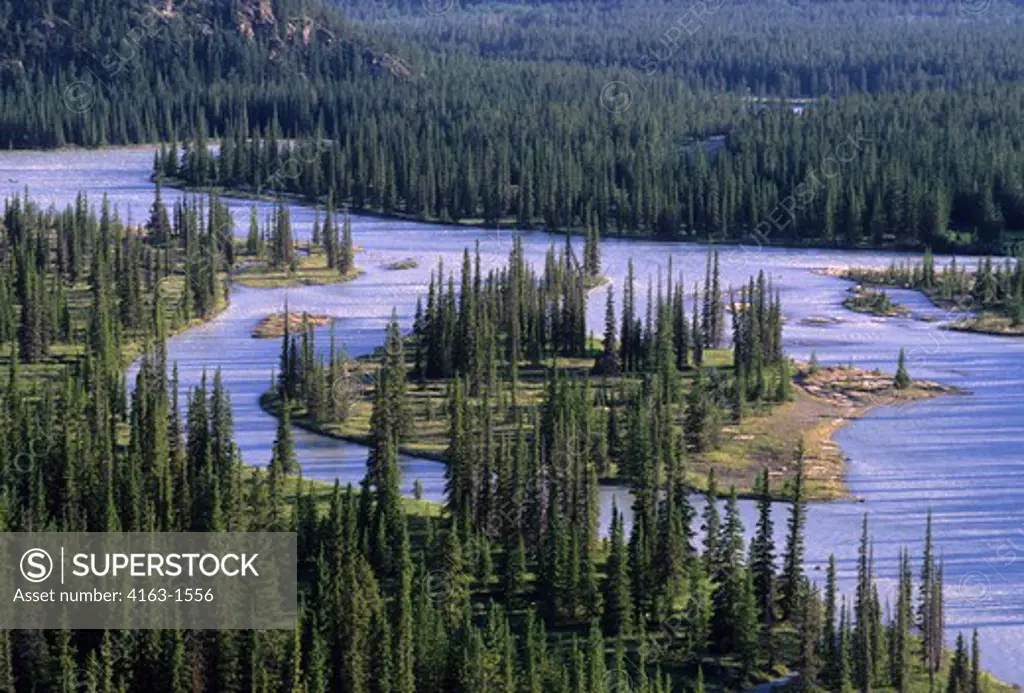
{"points": [[132, 349], [60, 355], [845, 393], [990, 324], [823, 401]]}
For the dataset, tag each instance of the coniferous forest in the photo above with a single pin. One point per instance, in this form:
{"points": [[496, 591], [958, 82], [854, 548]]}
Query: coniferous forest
{"points": [[838, 124], [509, 586], [883, 124]]}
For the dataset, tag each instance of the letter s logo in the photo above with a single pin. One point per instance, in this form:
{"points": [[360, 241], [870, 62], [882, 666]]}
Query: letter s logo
{"points": [[36, 565]]}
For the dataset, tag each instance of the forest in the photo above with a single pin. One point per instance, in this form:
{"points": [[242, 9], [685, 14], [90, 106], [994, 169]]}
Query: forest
{"points": [[742, 124], [509, 349], [840, 124], [508, 586]]}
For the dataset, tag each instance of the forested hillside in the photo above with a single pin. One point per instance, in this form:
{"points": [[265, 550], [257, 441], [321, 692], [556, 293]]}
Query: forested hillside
{"points": [[772, 48], [106, 72], [633, 117]]}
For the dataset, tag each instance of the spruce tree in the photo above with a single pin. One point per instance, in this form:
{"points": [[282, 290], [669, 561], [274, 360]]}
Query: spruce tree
{"points": [[902, 379], [701, 425], [628, 340], [514, 568], [252, 239], [731, 575], [746, 624], [283, 460], [346, 254], [404, 673], [596, 667], [793, 582], [977, 685], [697, 331], [783, 388], [844, 680], [711, 526], [959, 680], [618, 603], [159, 225], [810, 640], [864, 654], [830, 650], [762, 563], [608, 361], [899, 630]]}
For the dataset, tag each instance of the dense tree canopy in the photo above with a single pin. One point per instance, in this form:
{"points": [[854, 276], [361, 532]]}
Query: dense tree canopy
{"points": [[900, 124]]}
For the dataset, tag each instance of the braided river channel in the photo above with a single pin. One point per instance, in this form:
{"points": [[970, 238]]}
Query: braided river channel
{"points": [[962, 456]]}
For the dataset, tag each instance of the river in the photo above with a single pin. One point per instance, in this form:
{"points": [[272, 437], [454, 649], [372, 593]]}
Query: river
{"points": [[958, 455]]}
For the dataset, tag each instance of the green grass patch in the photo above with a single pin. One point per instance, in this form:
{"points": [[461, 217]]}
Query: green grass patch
{"points": [[311, 270]]}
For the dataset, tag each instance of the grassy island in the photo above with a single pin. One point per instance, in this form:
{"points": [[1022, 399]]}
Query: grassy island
{"points": [[275, 325], [403, 264], [309, 270], [822, 401]]}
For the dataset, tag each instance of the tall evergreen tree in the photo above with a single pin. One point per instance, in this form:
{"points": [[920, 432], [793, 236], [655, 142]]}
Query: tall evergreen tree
{"points": [[793, 582]]}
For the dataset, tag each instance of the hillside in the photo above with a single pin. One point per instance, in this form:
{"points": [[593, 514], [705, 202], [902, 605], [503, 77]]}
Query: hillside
{"points": [[147, 70], [870, 124]]}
